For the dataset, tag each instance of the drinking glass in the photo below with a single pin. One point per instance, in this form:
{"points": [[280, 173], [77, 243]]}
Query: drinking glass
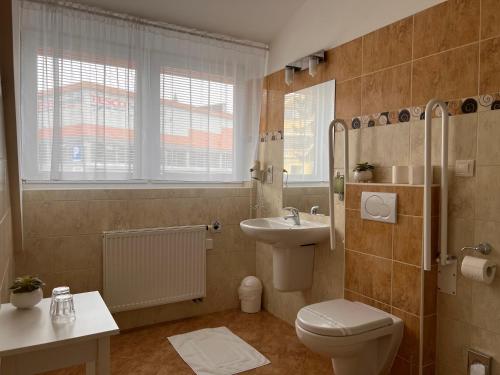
{"points": [[64, 309], [60, 290]]}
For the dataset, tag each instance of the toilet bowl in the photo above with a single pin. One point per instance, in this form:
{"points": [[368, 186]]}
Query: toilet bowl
{"points": [[360, 339]]}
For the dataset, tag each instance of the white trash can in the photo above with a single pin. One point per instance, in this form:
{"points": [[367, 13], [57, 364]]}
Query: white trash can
{"points": [[250, 292]]}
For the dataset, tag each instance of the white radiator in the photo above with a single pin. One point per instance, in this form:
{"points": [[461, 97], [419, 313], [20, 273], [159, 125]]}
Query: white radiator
{"points": [[150, 267]]}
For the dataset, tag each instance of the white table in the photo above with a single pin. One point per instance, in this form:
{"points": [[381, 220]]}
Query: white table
{"points": [[30, 343]]}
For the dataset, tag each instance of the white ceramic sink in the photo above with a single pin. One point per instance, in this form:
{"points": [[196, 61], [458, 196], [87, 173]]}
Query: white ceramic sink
{"points": [[279, 232]]}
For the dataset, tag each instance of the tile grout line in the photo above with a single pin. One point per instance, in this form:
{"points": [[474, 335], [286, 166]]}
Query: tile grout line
{"points": [[392, 264], [479, 50], [412, 58], [361, 77], [383, 258]]}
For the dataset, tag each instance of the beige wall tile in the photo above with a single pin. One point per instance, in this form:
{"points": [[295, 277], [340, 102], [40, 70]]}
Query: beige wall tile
{"points": [[488, 133], [488, 343], [368, 275], [410, 200], [461, 199], [74, 253], [444, 26], [409, 347], [105, 215], [488, 201], [366, 236], [490, 76], [388, 46], [354, 139], [462, 141], [386, 90], [488, 231], [459, 306], [486, 305], [55, 218], [151, 213], [401, 366], [453, 340], [430, 329], [446, 369], [353, 296], [348, 99], [406, 287], [436, 76], [344, 61], [430, 291], [407, 245], [460, 234], [385, 146], [59, 249], [490, 19]]}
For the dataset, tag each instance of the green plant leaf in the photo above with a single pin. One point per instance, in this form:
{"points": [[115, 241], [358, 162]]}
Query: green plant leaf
{"points": [[26, 284]]}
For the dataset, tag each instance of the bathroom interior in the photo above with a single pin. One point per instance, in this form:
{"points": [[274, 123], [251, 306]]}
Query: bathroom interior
{"points": [[321, 194]]}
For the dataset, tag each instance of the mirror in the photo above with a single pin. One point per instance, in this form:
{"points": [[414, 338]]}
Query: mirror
{"points": [[308, 114]]}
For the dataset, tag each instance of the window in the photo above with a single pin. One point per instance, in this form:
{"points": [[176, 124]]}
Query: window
{"points": [[85, 119], [105, 99], [197, 121], [308, 114]]}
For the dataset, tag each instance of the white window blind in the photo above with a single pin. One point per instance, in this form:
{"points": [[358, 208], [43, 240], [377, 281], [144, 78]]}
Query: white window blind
{"points": [[104, 99], [308, 114], [196, 126]]}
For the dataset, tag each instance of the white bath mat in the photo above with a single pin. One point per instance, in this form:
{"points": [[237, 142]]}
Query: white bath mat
{"points": [[216, 351]]}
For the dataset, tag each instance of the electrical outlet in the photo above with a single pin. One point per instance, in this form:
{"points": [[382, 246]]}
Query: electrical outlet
{"points": [[464, 168], [209, 243]]}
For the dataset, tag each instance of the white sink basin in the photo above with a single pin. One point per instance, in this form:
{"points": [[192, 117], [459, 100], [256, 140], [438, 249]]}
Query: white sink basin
{"points": [[279, 232]]}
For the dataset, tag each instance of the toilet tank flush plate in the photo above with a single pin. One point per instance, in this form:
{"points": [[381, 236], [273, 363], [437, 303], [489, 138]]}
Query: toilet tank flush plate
{"points": [[379, 206]]}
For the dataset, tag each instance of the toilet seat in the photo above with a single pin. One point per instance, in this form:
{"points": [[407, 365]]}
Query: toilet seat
{"points": [[340, 317], [360, 339]]}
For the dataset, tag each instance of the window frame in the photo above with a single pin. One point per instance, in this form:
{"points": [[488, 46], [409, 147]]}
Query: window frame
{"points": [[147, 133]]}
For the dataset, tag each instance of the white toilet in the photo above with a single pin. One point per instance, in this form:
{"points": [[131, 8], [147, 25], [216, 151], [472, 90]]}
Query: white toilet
{"points": [[360, 339]]}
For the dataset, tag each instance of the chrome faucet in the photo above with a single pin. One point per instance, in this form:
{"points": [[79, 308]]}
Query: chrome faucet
{"points": [[294, 214]]}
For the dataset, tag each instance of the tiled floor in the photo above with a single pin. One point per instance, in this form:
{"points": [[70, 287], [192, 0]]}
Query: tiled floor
{"points": [[147, 351]]}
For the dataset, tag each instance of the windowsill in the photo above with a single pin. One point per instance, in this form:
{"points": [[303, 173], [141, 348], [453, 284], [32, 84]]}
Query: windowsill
{"points": [[306, 184], [79, 185]]}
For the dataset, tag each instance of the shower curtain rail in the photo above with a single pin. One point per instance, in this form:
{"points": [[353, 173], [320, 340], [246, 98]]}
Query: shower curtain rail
{"points": [[331, 160]]}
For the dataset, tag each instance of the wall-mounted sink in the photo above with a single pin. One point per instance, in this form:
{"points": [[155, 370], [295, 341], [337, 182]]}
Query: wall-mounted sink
{"points": [[293, 248], [279, 232]]}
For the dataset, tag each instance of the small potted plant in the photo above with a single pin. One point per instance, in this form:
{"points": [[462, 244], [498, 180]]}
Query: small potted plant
{"points": [[26, 292], [363, 172]]}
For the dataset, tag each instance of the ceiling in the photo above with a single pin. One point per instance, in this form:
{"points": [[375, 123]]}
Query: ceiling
{"points": [[256, 20]]}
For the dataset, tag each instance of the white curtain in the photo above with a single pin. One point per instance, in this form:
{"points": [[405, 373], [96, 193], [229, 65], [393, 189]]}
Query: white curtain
{"points": [[103, 98]]}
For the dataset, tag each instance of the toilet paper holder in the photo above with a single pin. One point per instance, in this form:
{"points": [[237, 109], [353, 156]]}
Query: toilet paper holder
{"points": [[474, 358], [483, 248]]}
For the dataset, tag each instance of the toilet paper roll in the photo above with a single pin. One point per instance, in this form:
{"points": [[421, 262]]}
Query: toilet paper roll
{"points": [[399, 174], [416, 174], [478, 269], [477, 369]]}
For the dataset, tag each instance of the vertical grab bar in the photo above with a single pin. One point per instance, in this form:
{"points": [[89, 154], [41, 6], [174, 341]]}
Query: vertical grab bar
{"points": [[443, 254], [331, 174]]}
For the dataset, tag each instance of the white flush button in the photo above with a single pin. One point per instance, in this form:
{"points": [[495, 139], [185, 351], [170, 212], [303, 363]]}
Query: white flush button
{"points": [[378, 206]]}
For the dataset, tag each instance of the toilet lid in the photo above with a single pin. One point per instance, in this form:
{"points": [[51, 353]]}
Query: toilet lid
{"points": [[341, 317]]}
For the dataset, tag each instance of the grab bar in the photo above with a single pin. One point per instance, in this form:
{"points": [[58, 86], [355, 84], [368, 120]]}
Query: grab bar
{"points": [[331, 172], [443, 214]]}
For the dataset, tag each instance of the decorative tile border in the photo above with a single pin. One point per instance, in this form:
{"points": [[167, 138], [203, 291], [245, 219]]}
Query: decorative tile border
{"points": [[481, 103]]}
